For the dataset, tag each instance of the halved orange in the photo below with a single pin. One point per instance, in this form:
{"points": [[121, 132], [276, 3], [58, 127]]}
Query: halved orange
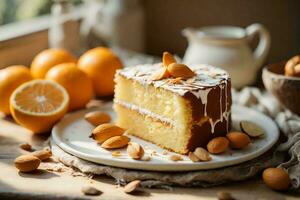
{"points": [[39, 104]]}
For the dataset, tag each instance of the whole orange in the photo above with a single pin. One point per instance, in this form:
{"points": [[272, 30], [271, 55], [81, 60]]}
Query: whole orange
{"points": [[11, 78], [75, 81], [47, 59], [100, 64]]}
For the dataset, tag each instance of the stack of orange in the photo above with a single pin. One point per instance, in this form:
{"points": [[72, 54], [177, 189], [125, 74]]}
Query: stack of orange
{"points": [[61, 85]]}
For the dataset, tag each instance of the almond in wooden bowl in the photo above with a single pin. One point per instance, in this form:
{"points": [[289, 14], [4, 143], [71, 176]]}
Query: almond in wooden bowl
{"points": [[285, 88]]}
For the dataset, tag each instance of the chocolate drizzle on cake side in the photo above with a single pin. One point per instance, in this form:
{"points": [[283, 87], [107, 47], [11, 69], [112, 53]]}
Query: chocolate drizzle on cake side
{"points": [[209, 84]]}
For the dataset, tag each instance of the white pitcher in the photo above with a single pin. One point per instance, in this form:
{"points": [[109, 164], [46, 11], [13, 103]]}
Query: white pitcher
{"points": [[227, 47]]}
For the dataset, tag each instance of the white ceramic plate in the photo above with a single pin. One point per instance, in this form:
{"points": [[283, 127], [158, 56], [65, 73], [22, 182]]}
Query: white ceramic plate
{"points": [[72, 135]]}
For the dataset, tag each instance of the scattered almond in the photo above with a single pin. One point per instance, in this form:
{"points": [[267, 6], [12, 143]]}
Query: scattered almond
{"points": [[116, 142], [224, 196], [132, 186], [96, 118], [89, 190], [146, 158], [165, 152], [238, 140], [180, 70], [105, 131], [27, 163], [135, 150], [43, 154], [193, 157], [276, 178], [26, 147], [251, 129], [202, 154], [116, 153], [168, 59], [160, 74], [175, 157], [217, 145]]}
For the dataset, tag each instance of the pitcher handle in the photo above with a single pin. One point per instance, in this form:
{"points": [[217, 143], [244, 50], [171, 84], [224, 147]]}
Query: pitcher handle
{"points": [[262, 49]]}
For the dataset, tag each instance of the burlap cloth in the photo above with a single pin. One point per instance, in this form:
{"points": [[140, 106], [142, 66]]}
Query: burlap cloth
{"points": [[288, 123]]}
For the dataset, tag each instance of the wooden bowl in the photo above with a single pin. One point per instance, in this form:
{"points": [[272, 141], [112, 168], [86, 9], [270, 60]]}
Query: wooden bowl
{"points": [[286, 89]]}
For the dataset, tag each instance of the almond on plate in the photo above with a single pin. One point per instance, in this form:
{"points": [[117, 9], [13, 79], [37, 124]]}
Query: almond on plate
{"points": [[105, 131], [135, 150], [251, 129], [202, 154], [217, 145], [238, 140], [175, 157], [97, 118], [116, 142]]}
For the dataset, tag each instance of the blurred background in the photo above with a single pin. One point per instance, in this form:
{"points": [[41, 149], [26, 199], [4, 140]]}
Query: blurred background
{"points": [[147, 26]]}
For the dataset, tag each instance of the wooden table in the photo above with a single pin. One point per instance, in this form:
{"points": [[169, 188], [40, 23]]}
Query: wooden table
{"points": [[63, 185]]}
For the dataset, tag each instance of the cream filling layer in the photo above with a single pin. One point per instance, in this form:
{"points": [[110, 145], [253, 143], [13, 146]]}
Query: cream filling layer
{"points": [[144, 111]]}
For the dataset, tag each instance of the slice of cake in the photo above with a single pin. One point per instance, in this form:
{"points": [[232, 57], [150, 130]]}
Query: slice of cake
{"points": [[174, 112]]}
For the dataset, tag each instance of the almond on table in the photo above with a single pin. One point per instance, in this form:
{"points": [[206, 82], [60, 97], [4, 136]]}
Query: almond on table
{"points": [[276, 178], [27, 163], [26, 146], [43, 154], [132, 186]]}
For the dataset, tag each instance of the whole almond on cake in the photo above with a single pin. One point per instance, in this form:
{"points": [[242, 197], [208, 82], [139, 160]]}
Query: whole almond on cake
{"points": [[180, 70], [168, 59]]}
